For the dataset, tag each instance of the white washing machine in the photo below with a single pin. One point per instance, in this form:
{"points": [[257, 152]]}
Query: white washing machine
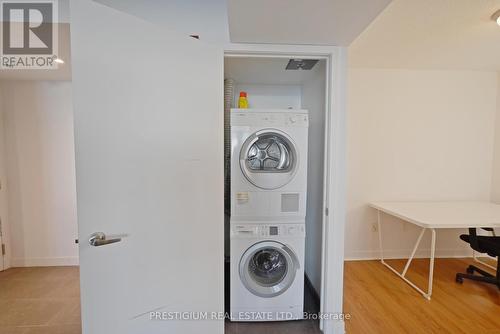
{"points": [[268, 164], [267, 272]]}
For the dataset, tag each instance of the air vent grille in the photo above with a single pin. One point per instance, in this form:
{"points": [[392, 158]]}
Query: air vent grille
{"points": [[301, 64]]}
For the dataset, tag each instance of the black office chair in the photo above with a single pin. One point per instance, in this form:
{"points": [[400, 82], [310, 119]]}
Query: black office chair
{"points": [[482, 244]]}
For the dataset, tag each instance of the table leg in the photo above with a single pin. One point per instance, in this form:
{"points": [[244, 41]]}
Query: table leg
{"points": [[379, 226], [417, 243], [431, 263]]}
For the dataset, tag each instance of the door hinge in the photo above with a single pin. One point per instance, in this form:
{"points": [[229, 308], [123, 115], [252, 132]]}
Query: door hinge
{"points": [[3, 249], [326, 211]]}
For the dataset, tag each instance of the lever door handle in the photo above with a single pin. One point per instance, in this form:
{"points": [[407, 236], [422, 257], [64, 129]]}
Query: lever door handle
{"points": [[99, 239]]}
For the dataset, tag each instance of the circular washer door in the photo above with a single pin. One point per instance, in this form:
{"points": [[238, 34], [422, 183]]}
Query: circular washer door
{"points": [[268, 268], [269, 159]]}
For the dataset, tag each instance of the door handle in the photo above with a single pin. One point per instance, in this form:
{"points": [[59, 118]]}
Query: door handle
{"points": [[99, 239]]}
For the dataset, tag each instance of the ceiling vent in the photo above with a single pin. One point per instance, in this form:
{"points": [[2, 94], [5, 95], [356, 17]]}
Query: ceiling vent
{"points": [[301, 64]]}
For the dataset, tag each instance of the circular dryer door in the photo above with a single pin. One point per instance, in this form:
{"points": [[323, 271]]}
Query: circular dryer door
{"points": [[268, 268], [269, 159]]}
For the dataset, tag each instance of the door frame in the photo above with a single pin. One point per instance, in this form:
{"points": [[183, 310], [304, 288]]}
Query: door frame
{"points": [[334, 193], [2, 247], [5, 259]]}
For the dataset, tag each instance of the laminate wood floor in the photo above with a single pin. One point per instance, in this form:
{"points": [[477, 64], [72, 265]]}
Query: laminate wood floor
{"points": [[40, 301], [47, 300], [380, 302]]}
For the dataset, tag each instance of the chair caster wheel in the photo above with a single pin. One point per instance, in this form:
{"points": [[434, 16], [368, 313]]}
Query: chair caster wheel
{"points": [[470, 270], [459, 279]]}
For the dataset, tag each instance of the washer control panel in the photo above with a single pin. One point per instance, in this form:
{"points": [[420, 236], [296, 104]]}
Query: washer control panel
{"points": [[268, 231]]}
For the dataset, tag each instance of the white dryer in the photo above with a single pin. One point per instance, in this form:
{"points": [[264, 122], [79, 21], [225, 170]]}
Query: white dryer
{"points": [[268, 164], [267, 272]]}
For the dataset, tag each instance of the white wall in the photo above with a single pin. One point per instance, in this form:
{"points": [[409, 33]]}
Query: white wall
{"points": [[416, 135], [269, 96], [40, 172], [313, 99], [495, 187]]}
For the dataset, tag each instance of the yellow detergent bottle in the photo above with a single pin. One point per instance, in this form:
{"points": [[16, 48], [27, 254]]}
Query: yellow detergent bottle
{"points": [[242, 101]]}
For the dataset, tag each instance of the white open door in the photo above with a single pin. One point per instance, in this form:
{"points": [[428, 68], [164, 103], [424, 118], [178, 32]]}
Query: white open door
{"points": [[148, 107]]}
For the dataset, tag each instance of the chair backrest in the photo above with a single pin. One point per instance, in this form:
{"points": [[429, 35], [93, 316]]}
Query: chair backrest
{"points": [[473, 240], [488, 244]]}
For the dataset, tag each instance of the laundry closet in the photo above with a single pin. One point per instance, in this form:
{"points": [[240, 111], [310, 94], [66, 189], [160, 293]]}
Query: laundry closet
{"points": [[274, 159]]}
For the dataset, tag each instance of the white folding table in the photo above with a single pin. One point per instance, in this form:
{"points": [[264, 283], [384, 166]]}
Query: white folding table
{"points": [[432, 216]]}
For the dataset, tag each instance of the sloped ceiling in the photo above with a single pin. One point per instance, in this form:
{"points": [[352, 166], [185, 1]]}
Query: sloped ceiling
{"points": [[325, 22], [205, 18], [431, 34], [322, 22]]}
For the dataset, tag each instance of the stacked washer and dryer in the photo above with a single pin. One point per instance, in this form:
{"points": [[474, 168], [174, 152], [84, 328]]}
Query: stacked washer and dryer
{"points": [[268, 209]]}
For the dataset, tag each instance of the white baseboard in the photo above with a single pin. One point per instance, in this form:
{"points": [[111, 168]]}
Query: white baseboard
{"points": [[405, 253], [44, 262]]}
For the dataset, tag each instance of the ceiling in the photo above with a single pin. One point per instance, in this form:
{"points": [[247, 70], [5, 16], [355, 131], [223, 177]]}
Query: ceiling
{"points": [[205, 18], [270, 71], [329, 22], [431, 34], [423, 34], [321, 22]]}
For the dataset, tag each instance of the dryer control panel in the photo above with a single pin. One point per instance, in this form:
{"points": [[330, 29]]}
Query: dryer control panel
{"points": [[268, 231]]}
